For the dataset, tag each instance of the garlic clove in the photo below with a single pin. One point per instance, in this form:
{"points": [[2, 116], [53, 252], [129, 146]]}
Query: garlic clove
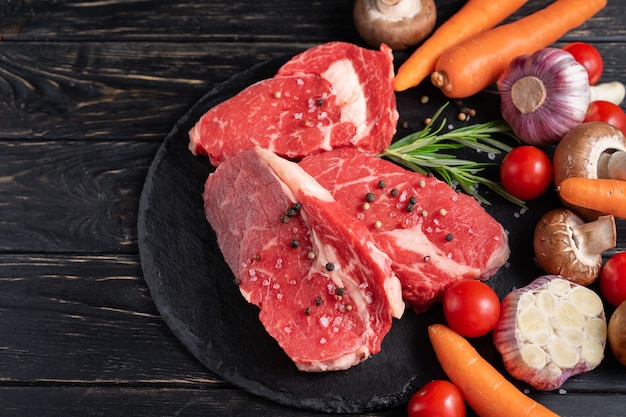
{"points": [[551, 330]]}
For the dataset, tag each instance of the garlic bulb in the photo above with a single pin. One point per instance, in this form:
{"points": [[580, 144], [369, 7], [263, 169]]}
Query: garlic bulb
{"points": [[551, 330], [544, 95]]}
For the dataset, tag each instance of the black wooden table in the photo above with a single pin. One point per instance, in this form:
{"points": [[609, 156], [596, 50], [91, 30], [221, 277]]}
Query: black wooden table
{"points": [[88, 92]]}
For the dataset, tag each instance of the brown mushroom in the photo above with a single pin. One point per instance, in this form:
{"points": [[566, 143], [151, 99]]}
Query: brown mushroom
{"points": [[590, 150], [399, 24], [566, 245]]}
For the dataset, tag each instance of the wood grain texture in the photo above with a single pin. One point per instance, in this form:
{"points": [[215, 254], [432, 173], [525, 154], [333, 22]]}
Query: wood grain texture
{"points": [[105, 401], [112, 90], [242, 21], [86, 320], [71, 196], [132, 91]]}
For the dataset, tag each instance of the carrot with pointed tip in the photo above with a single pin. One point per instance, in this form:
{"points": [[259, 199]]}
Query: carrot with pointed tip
{"points": [[485, 389], [474, 17], [603, 195], [473, 65]]}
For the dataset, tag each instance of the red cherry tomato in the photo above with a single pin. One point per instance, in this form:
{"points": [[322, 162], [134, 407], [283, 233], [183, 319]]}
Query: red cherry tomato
{"points": [[613, 279], [526, 172], [607, 112], [438, 398], [471, 307], [588, 57]]}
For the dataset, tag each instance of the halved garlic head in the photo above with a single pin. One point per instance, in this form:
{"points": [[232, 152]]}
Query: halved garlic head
{"points": [[550, 330]]}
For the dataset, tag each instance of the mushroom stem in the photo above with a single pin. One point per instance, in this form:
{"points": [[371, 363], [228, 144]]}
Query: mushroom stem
{"points": [[612, 165], [398, 9], [595, 237]]}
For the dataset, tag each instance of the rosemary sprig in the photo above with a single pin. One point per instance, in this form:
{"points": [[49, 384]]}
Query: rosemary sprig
{"points": [[422, 151]]}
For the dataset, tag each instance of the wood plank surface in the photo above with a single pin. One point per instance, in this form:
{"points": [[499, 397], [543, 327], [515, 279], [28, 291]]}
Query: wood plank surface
{"points": [[96, 401], [71, 196], [138, 90], [96, 90], [88, 320], [241, 21]]}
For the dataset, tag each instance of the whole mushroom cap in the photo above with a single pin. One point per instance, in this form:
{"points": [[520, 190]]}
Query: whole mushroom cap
{"points": [[566, 245], [399, 24], [584, 152]]}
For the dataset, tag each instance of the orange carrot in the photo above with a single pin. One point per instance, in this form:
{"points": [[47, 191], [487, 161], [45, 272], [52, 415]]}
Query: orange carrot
{"points": [[471, 66], [474, 17], [483, 387], [603, 195]]}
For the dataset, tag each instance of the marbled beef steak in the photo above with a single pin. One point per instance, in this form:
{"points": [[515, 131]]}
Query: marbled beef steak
{"points": [[330, 96], [326, 293], [433, 234]]}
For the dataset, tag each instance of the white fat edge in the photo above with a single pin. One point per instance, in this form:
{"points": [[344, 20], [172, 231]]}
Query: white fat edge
{"points": [[340, 276], [416, 240], [499, 257], [327, 133], [345, 82], [340, 363], [392, 285], [290, 173]]}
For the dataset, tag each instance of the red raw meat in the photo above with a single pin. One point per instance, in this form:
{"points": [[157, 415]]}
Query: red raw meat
{"points": [[291, 116], [331, 96], [328, 311], [363, 79], [442, 237]]}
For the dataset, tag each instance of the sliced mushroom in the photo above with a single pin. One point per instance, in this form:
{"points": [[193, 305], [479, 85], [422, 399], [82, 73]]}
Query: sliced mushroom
{"points": [[590, 150], [566, 245], [399, 24]]}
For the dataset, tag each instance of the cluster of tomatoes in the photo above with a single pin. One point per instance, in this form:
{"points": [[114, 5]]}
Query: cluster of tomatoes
{"points": [[472, 308], [603, 111]]}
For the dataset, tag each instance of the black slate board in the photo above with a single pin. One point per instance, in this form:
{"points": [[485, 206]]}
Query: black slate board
{"points": [[194, 289]]}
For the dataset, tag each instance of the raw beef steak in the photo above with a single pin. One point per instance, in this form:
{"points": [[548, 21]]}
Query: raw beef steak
{"points": [[332, 96], [325, 292], [363, 79], [433, 234], [291, 116]]}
